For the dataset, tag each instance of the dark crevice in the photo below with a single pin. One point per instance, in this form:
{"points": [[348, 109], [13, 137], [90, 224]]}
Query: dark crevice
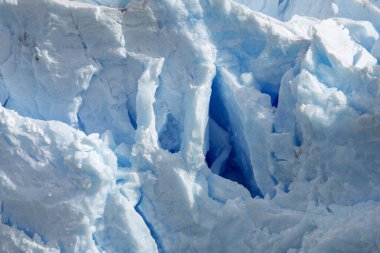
{"points": [[236, 165], [132, 119], [210, 158], [6, 102], [282, 7], [76, 26], [170, 135], [81, 125], [95, 240], [272, 91], [233, 170], [298, 137], [274, 180], [153, 233], [286, 187], [4, 219], [120, 181], [217, 109]]}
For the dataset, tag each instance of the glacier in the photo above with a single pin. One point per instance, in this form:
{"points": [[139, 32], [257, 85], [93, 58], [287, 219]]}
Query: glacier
{"points": [[189, 126]]}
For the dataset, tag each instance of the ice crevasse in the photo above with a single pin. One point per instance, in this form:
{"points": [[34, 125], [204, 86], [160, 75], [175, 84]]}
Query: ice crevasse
{"points": [[189, 126]]}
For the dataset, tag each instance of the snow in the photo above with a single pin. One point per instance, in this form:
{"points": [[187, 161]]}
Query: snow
{"points": [[189, 126]]}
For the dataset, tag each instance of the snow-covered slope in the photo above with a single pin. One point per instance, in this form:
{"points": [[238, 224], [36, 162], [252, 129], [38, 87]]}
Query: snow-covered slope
{"points": [[189, 126]]}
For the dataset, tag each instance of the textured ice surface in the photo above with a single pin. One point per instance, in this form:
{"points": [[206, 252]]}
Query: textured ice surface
{"points": [[189, 126]]}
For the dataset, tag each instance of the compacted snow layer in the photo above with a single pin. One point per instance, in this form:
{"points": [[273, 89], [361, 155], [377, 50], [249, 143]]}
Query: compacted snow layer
{"points": [[189, 126]]}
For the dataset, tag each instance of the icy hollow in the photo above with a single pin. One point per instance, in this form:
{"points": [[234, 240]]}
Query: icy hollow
{"points": [[189, 126]]}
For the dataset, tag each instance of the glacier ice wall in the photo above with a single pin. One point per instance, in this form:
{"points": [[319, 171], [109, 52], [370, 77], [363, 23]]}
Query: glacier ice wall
{"points": [[189, 126]]}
